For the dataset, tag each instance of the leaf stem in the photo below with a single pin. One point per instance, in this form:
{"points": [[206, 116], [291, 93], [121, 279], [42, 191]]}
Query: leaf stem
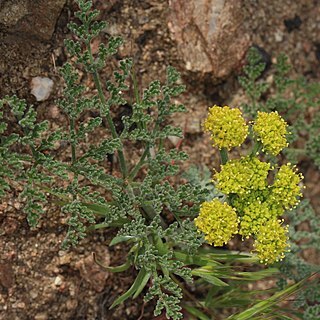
{"points": [[111, 125], [73, 153], [136, 169], [146, 153], [224, 155], [256, 148], [147, 147], [73, 144]]}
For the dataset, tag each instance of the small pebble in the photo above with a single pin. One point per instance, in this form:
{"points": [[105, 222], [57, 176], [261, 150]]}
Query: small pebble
{"points": [[174, 140], [41, 316], [18, 305], [278, 36], [41, 88], [58, 281]]}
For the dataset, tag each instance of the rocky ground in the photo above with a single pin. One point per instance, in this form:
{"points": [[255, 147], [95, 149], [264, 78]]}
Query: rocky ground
{"points": [[37, 279]]}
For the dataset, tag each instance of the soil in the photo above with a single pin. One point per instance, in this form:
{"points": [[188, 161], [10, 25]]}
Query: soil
{"points": [[37, 279]]}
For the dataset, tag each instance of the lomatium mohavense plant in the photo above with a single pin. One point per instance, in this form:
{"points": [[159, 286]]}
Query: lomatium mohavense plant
{"points": [[136, 201]]}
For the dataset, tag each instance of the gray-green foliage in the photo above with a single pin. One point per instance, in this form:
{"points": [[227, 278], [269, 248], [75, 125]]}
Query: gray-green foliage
{"points": [[294, 267], [140, 207], [23, 157], [295, 99]]}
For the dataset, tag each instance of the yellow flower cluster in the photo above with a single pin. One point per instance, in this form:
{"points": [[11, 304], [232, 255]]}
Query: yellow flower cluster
{"points": [[218, 221], [255, 215], [271, 130], [242, 175], [285, 189], [227, 127], [254, 205], [271, 242], [258, 208]]}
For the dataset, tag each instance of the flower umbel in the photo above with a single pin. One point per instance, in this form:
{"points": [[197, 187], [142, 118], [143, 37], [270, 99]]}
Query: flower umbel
{"points": [[227, 127], [253, 206], [285, 189], [271, 130], [271, 242], [218, 221], [242, 175]]}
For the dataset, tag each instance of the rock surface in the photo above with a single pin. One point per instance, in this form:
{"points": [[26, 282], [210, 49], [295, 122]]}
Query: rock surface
{"points": [[210, 35], [30, 17]]}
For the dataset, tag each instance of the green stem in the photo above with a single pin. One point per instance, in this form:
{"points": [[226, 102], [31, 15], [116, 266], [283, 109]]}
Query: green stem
{"points": [[256, 148], [138, 100], [115, 224], [137, 167], [146, 153], [224, 156], [73, 143], [148, 210], [73, 152], [102, 98]]}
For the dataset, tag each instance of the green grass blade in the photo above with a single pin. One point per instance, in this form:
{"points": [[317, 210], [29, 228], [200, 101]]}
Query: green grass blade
{"points": [[196, 312], [135, 286], [143, 283], [270, 302], [209, 277], [119, 239], [120, 268]]}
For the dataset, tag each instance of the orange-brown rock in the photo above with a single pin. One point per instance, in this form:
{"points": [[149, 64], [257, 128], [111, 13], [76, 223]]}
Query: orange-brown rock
{"points": [[210, 35]]}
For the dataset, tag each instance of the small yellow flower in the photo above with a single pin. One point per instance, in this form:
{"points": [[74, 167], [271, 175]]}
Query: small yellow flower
{"points": [[255, 215], [271, 242], [240, 202], [271, 130], [227, 127], [285, 189], [218, 221], [242, 175], [255, 209]]}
